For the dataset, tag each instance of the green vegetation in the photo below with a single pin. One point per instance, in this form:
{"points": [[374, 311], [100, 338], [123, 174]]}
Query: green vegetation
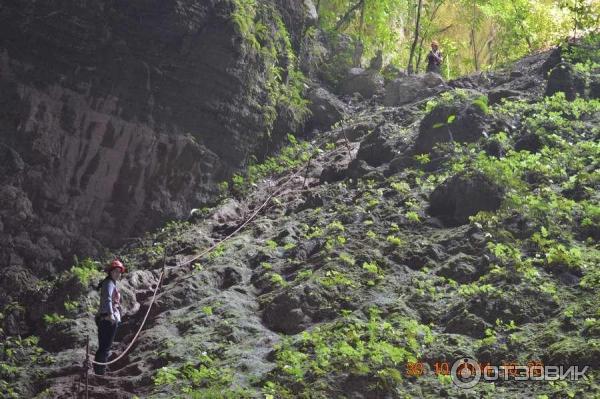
{"points": [[54, 318], [473, 34], [87, 271], [294, 154], [17, 356], [200, 380], [376, 349], [261, 27]]}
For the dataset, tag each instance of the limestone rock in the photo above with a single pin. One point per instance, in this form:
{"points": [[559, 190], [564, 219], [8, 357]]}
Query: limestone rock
{"points": [[445, 123], [367, 83], [326, 109], [411, 88], [464, 195], [564, 79]]}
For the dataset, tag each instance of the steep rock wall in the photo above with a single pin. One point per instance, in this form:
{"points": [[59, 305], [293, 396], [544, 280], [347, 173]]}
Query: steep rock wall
{"points": [[117, 115]]}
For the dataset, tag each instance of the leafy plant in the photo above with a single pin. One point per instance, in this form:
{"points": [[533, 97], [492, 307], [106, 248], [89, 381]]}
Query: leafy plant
{"points": [[54, 318], [86, 271]]}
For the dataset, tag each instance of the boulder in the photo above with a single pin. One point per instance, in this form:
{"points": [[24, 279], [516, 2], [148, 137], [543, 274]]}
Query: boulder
{"points": [[377, 148], [595, 88], [551, 61], [529, 142], [229, 277], [456, 122], [230, 211], [10, 161], [564, 79], [333, 172], [391, 72], [284, 315], [311, 16], [411, 88], [462, 268], [495, 96], [326, 109], [464, 195], [366, 82], [337, 58], [466, 323], [432, 79]]}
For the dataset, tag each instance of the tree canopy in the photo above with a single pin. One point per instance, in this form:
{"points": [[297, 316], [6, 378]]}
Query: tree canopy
{"points": [[473, 34]]}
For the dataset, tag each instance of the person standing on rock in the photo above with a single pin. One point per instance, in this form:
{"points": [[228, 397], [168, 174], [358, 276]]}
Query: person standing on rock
{"points": [[435, 58], [109, 314]]}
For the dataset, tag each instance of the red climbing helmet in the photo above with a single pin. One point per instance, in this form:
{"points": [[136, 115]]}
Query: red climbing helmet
{"points": [[116, 264]]}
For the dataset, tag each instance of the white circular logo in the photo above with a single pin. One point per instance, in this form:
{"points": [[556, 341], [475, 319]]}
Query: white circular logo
{"points": [[465, 373]]}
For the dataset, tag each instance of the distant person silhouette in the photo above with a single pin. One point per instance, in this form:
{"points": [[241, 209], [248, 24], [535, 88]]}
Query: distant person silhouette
{"points": [[435, 58]]}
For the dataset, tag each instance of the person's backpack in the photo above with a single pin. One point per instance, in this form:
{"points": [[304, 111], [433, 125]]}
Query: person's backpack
{"points": [[99, 286]]}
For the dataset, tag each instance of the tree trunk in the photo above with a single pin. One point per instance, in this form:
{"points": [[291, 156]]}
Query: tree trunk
{"points": [[416, 38], [318, 7], [473, 37], [419, 54]]}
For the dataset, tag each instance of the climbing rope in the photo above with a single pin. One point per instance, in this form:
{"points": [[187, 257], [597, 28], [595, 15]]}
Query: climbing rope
{"points": [[281, 187], [256, 212], [277, 191]]}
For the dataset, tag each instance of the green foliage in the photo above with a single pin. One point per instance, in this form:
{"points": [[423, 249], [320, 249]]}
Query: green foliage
{"points": [[217, 252], [335, 226], [71, 306], [413, 216], [278, 279], [18, 356], [335, 278], [243, 19], [54, 318], [266, 265], [374, 272], [447, 98], [202, 380], [304, 275], [271, 245], [166, 376], [474, 289], [87, 271], [484, 34], [334, 241], [586, 54], [480, 102], [263, 31], [289, 157], [401, 187], [395, 241], [373, 348], [347, 259], [584, 14]]}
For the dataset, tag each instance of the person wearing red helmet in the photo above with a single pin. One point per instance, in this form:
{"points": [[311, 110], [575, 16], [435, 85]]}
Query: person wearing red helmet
{"points": [[109, 314]]}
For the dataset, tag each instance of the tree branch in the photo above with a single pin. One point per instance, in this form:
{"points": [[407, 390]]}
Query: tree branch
{"points": [[349, 14]]}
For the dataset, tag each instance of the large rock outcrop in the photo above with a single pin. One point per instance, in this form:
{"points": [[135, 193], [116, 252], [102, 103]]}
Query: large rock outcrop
{"points": [[118, 115], [462, 121], [464, 195], [408, 89]]}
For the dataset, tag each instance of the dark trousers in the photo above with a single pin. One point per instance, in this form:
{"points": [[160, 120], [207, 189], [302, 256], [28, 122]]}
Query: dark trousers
{"points": [[433, 68], [106, 336]]}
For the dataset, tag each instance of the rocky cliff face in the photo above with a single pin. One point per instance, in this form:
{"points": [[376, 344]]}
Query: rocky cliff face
{"points": [[117, 115], [399, 241]]}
